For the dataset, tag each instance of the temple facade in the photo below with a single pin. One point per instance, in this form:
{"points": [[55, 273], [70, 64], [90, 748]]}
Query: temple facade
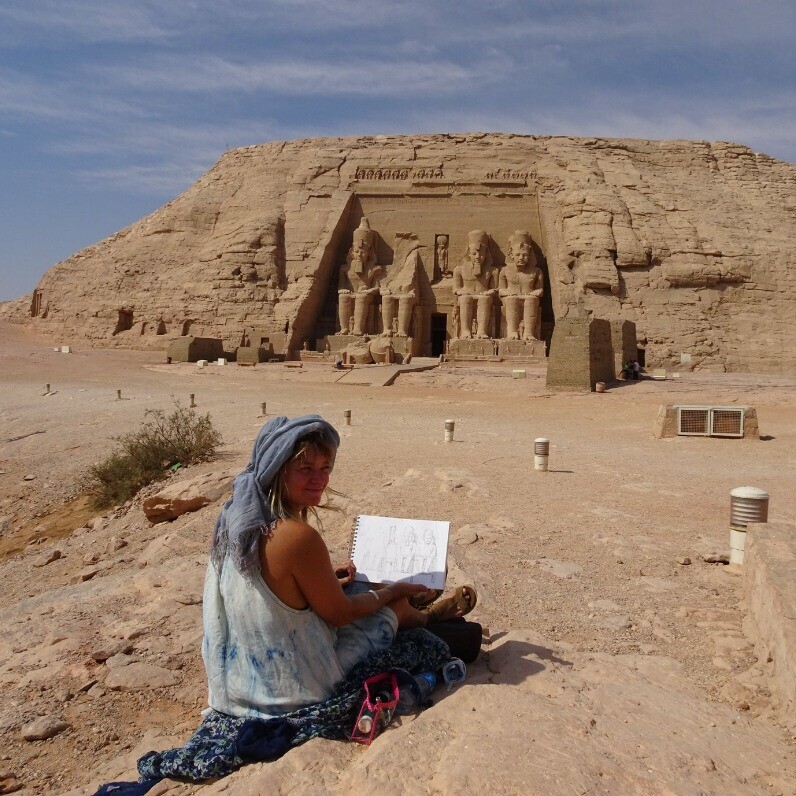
{"points": [[472, 245]]}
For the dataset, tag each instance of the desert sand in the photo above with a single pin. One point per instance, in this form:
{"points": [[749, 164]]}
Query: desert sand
{"points": [[611, 665]]}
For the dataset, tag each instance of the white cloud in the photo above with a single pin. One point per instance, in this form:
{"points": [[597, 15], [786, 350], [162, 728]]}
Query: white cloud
{"points": [[765, 123], [161, 179], [79, 20], [357, 77]]}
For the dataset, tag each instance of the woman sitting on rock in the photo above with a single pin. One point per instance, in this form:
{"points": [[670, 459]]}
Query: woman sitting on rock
{"points": [[280, 632], [286, 649]]}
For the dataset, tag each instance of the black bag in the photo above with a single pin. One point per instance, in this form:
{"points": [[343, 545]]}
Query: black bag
{"points": [[463, 637]]}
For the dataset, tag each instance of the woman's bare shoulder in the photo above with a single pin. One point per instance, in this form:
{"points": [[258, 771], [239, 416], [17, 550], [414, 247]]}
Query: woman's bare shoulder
{"points": [[296, 533]]}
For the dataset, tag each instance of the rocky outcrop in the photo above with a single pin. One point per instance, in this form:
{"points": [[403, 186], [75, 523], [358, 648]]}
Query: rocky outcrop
{"points": [[693, 241], [179, 498]]}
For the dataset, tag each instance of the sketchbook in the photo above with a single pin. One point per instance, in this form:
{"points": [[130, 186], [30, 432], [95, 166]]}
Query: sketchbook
{"points": [[389, 549]]}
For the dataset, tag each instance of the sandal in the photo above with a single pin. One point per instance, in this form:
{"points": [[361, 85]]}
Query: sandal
{"points": [[461, 602], [425, 598]]}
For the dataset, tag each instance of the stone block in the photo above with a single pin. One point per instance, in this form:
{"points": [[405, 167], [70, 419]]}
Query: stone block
{"points": [[250, 355], [472, 349], [770, 597], [192, 349], [581, 354], [521, 349], [624, 343]]}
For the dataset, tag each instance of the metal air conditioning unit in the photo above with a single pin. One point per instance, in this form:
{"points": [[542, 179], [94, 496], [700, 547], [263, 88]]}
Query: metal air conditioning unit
{"points": [[710, 421]]}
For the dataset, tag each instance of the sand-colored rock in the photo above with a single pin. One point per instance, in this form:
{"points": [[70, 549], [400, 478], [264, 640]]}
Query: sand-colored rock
{"points": [[139, 676], [43, 728], [693, 241], [184, 496]]}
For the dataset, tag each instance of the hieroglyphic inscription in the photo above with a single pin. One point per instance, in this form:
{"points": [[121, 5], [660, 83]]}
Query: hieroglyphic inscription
{"points": [[398, 173], [507, 174]]}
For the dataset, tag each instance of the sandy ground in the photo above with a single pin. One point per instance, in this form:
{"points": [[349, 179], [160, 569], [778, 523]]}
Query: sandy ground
{"points": [[610, 666]]}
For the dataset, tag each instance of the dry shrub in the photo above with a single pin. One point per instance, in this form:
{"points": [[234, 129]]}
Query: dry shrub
{"points": [[144, 456]]}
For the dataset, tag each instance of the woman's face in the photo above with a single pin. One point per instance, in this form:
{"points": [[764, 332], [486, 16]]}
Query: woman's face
{"points": [[306, 478]]}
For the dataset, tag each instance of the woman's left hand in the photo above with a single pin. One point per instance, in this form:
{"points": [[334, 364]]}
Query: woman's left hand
{"points": [[345, 572]]}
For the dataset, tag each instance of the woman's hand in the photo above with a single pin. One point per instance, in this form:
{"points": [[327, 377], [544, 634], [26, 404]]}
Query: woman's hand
{"points": [[345, 572]]}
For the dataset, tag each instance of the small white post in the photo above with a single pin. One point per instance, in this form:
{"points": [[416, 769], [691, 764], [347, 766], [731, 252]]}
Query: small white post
{"points": [[449, 427], [747, 504], [541, 453]]}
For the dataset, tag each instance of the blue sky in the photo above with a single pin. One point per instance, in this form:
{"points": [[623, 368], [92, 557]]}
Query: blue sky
{"points": [[109, 108]]}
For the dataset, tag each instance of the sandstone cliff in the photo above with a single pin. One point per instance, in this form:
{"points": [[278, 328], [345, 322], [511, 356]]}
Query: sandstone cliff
{"points": [[693, 241]]}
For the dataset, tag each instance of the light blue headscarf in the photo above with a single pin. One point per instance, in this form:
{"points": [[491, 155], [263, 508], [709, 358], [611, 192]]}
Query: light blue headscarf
{"points": [[247, 512]]}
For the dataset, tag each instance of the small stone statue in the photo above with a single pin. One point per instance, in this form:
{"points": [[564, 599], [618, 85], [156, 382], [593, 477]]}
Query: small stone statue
{"points": [[441, 250]]}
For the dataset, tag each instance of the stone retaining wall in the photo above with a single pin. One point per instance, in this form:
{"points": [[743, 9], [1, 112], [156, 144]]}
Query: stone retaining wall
{"points": [[770, 594]]}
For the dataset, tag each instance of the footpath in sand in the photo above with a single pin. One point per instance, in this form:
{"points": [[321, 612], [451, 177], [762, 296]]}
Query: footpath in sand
{"points": [[611, 667]]}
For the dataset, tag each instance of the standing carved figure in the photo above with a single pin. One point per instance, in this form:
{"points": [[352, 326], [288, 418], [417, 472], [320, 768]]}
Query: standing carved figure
{"points": [[475, 283], [358, 282], [521, 286], [442, 255]]}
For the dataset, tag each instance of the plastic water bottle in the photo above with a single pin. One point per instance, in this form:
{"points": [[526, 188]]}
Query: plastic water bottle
{"points": [[365, 723], [413, 690], [453, 672]]}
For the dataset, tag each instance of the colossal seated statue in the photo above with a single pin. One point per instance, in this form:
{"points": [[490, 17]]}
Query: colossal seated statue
{"points": [[400, 288], [358, 282], [521, 286], [475, 284]]}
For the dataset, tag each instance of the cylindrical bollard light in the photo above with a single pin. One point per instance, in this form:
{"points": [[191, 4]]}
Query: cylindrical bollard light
{"points": [[118, 395], [262, 409], [193, 402], [747, 504], [46, 388], [347, 416], [450, 425], [541, 453]]}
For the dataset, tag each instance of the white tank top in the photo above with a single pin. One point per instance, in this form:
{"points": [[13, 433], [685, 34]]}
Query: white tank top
{"points": [[263, 658]]}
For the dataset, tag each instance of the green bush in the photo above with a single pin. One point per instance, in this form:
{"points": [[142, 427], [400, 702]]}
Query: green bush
{"points": [[145, 456]]}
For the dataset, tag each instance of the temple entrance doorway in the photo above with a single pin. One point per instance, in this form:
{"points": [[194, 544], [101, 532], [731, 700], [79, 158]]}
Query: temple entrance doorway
{"points": [[439, 333]]}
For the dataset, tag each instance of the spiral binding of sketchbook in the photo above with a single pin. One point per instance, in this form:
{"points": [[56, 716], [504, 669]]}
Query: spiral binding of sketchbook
{"points": [[390, 549]]}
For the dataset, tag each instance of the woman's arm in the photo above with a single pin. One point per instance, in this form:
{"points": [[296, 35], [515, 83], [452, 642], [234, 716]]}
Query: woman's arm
{"points": [[315, 576]]}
